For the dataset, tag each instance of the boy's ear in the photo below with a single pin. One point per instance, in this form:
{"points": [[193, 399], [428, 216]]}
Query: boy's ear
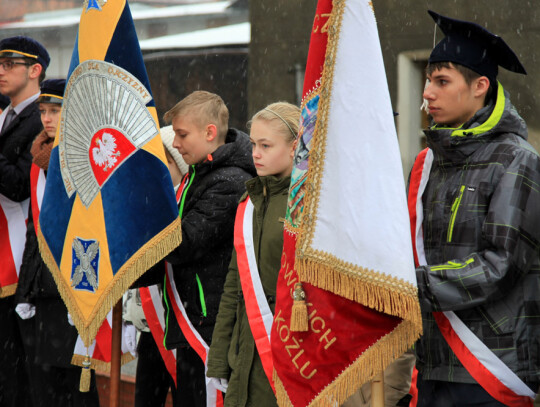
{"points": [[211, 132], [35, 70], [481, 86]]}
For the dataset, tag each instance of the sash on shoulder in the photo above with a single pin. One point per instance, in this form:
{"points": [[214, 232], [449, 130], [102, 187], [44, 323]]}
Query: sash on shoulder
{"points": [[259, 314], [481, 363], [13, 216], [213, 396], [154, 313]]}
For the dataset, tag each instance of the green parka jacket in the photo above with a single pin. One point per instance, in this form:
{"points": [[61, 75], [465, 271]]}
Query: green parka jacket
{"points": [[233, 354]]}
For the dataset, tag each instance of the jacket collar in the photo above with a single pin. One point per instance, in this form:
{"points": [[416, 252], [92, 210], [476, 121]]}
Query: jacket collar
{"points": [[495, 118]]}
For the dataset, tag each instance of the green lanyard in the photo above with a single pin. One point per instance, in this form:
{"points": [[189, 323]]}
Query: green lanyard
{"points": [[199, 284]]}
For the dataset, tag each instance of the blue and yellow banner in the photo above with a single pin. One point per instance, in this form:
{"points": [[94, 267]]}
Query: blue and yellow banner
{"points": [[109, 211]]}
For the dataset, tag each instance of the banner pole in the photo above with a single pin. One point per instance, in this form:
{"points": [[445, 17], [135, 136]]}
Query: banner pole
{"points": [[116, 355], [377, 390]]}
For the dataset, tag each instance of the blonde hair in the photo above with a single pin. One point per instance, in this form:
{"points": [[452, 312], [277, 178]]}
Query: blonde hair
{"points": [[205, 108], [286, 115]]}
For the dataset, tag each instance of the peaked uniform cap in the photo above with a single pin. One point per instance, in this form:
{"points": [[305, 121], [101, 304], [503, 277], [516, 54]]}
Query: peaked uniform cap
{"points": [[52, 91], [24, 47], [473, 46]]}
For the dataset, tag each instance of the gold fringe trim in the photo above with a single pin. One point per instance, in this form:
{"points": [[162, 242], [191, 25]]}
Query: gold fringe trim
{"points": [[318, 149], [373, 361], [84, 383], [299, 315], [100, 365], [8, 290], [376, 290], [384, 294], [282, 397], [147, 256]]}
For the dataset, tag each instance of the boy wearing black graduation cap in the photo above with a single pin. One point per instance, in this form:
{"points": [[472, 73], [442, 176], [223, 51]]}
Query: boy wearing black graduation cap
{"points": [[23, 62], [476, 190]]}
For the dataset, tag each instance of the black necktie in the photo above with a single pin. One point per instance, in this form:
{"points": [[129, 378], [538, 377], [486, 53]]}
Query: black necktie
{"points": [[9, 118]]}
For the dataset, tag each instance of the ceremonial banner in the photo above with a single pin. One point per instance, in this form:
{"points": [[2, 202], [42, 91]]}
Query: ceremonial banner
{"points": [[100, 350], [109, 212], [346, 233]]}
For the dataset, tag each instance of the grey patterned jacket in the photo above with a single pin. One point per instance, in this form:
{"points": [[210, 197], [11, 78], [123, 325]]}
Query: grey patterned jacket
{"points": [[481, 234]]}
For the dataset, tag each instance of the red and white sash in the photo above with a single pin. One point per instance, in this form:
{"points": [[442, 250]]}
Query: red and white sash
{"points": [[213, 396], [154, 312], [481, 363], [258, 311], [13, 216], [37, 189]]}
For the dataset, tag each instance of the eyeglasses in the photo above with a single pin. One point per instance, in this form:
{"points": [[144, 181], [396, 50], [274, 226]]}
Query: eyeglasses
{"points": [[8, 65]]}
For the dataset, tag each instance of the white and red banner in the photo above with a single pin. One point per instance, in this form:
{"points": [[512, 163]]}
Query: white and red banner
{"points": [[481, 363], [347, 227]]}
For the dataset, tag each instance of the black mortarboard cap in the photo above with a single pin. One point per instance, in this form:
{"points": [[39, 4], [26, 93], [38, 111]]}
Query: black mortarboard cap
{"points": [[473, 46], [24, 47], [4, 101], [52, 91]]}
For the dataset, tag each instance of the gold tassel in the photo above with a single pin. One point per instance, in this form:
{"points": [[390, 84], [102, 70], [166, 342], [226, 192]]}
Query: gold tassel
{"points": [[84, 385], [299, 315]]}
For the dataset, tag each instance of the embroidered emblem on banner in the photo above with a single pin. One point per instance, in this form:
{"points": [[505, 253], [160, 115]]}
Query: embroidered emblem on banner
{"points": [[301, 159], [94, 4], [84, 272], [104, 121]]}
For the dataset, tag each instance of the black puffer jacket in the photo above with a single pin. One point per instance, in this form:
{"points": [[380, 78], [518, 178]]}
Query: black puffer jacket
{"points": [[15, 157], [481, 232], [208, 209]]}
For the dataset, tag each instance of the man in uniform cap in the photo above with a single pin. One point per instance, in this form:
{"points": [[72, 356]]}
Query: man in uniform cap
{"points": [[23, 62], [476, 190]]}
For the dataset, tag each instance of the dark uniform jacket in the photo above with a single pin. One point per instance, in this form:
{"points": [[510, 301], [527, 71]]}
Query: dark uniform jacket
{"points": [[233, 354], [482, 238], [15, 157], [52, 338], [208, 207]]}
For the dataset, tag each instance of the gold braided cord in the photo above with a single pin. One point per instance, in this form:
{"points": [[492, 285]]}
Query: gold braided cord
{"points": [[100, 365]]}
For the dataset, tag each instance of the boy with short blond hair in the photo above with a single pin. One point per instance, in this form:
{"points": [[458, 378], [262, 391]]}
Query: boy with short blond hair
{"points": [[219, 160], [205, 106]]}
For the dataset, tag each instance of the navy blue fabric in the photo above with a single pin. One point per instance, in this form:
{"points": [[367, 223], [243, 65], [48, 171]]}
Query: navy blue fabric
{"points": [[128, 231], [124, 50]]}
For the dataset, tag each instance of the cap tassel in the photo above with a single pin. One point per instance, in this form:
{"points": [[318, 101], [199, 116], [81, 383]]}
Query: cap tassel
{"points": [[84, 385], [299, 315]]}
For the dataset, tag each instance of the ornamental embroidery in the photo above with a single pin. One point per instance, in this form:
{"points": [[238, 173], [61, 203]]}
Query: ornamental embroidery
{"points": [[104, 121], [94, 4], [84, 272]]}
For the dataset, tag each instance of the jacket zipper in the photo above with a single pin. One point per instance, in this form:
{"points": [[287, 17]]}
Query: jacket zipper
{"points": [[453, 213], [452, 265]]}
